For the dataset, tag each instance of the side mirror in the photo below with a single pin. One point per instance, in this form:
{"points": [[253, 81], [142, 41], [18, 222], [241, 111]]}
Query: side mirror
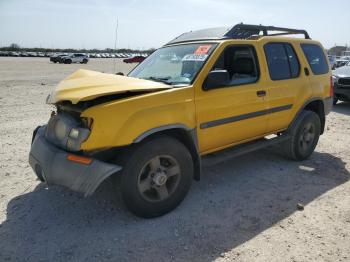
{"points": [[216, 79]]}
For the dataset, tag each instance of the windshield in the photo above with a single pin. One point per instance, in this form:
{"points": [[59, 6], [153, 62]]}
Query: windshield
{"points": [[174, 65]]}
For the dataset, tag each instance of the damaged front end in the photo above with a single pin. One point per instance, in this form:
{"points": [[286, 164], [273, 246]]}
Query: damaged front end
{"points": [[56, 158]]}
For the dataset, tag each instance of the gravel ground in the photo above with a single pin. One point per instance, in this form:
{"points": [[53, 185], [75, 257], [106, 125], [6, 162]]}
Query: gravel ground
{"points": [[243, 209]]}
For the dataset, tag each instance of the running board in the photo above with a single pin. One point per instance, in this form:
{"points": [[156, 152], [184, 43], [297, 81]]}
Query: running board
{"points": [[239, 150]]}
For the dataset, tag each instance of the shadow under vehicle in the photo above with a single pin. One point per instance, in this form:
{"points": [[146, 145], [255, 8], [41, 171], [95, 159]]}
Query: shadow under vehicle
{"points": [[235, 202]]}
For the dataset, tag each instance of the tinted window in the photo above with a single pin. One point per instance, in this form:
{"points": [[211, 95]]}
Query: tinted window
{"points": [[277, 61], [293, 61], [316, 58], [282, 61], [241, 64]]}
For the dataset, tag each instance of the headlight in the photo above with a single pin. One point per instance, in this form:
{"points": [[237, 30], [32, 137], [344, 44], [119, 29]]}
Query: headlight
{"points": [[66, 132], [60, 130], [76, 137], [74, 133]]}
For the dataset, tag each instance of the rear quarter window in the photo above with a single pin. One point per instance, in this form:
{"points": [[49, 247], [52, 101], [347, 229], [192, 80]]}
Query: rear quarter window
{"points": [[316, 58]]}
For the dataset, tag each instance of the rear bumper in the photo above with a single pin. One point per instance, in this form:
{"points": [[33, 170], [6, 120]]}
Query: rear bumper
{"points": [[51, 165]]}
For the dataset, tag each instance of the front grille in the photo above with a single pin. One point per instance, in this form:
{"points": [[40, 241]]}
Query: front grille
{"points": [[344, 81]]}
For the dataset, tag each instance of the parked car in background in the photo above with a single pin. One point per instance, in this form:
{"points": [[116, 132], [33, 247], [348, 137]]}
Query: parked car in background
{"points": [[15, 54], [75, 58], [341, 79], [56, 58], [135, 59], [342, 61], [345, 58]]}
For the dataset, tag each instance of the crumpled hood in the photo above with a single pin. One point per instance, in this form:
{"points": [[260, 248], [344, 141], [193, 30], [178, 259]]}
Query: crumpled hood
{"points": [[84, 85]]}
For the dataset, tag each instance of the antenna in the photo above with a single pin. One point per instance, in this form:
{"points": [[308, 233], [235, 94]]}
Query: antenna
{"points": [[115, 48]]}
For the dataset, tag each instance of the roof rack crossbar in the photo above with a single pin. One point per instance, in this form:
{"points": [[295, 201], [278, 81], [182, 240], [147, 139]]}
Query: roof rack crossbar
{"points": [[244, 31]]}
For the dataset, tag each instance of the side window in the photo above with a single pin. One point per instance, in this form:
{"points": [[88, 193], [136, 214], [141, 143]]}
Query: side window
{"points": [[316, 58], [241, 63], [293, 61], [282, 61]]}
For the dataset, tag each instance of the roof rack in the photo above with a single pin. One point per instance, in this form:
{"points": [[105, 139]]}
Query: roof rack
{"points": [[244, 31], [240, 31]]}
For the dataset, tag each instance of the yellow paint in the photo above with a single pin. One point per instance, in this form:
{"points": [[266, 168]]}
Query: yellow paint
{"points": [[86, 85], [120, 122]]}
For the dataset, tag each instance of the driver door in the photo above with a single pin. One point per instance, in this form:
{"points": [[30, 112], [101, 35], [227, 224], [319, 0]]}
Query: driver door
{"points": [[236, 112]]}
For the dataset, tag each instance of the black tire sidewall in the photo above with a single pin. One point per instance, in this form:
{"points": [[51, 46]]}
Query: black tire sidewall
{"points": [[308, 116], [138, 158]]}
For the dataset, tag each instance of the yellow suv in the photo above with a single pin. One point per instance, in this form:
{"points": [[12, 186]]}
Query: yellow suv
{"points": [[244, 87]]}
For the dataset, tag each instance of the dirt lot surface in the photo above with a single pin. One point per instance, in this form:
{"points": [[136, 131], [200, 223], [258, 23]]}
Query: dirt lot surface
{"points": [[243, 209]]}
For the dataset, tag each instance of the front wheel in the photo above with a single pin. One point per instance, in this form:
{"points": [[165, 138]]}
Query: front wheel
{"points": [[304, 136], [156, 177]]}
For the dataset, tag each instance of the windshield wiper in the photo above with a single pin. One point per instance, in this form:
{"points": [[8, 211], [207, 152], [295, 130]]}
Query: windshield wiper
{"points": [[160, 79]]}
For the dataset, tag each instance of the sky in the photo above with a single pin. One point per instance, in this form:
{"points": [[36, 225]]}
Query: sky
{"points": [[150, 24]]}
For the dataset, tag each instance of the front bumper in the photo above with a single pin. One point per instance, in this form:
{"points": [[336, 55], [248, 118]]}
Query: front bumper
{"points": [[51, 165], [342, 91]]}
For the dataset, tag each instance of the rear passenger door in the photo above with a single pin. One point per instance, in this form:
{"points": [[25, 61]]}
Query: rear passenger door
{"points": [[286, 83]]}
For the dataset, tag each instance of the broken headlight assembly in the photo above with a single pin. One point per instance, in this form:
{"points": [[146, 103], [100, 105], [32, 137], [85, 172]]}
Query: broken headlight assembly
{"points": [[67, 132]]}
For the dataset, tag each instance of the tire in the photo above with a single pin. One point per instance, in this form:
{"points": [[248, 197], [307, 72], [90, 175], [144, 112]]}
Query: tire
{"points": [[85, 61], [147, 200], [304, 136], [68, 61], [335, 100]]}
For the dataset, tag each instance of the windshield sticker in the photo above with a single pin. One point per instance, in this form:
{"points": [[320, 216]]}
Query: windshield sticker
{"points": [[194, 57], [203, 49]]}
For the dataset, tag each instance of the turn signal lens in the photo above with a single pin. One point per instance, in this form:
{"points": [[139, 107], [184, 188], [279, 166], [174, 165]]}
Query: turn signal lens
{"points": [[79, 159]]}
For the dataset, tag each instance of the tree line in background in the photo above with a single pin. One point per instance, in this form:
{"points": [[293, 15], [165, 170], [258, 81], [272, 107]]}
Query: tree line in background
{"points": [[336, 50], [15, 47]]}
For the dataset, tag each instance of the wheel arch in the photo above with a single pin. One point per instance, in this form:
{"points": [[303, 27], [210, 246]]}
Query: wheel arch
{"points": [[315, 105], [183, 134]]}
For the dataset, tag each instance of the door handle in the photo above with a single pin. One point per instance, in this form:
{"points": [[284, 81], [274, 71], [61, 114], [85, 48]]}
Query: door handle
{"points": [[261, 93]]}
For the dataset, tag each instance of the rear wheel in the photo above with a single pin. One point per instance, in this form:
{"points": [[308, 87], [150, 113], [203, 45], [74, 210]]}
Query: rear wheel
{"points": [[156, 177], [68, 61], [85, 61], [304, 136]]}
